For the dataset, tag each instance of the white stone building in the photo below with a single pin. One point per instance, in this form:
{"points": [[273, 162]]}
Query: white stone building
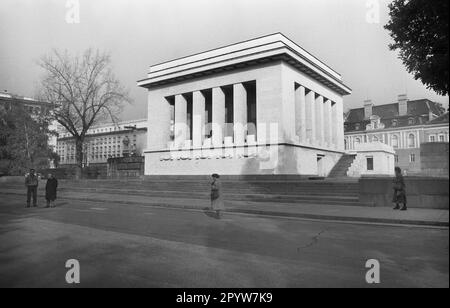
{"points": [[263, 106], [105, 141]]}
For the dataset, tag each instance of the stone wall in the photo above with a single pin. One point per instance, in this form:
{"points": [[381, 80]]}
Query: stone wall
{"points": [[434, 159], [94, 171], [124, 167], [421, 192], [275, 159]]}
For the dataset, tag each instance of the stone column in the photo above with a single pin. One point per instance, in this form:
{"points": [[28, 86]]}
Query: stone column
{"points": [[339, 120], [320, 120], [218, 116], [159, 116], [328, 124], [334, 126], [310, 117], [198, 118], [300, 113], [239, 113], [180, 128]]}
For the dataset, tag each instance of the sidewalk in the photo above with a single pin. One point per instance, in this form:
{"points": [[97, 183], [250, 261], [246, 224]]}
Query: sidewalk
{"points": [[381, 215]]}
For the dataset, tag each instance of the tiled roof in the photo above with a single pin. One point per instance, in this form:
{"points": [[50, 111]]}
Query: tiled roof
{"points": [[390, 111], [417, 113], [441, 119]]}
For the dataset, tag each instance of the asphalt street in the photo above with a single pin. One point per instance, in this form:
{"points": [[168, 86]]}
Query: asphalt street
{"points": [[143, 246]]}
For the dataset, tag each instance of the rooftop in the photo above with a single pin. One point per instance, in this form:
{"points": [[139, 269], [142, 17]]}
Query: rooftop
{"points": [[6, 96], [247, 53], [418, 113], [390, 111]]}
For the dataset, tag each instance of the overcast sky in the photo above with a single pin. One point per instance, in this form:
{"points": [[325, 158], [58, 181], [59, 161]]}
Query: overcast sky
{"points": [[139, 33]]}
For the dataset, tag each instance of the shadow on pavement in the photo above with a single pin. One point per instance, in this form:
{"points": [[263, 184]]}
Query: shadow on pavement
{"points": [[210, 213]]}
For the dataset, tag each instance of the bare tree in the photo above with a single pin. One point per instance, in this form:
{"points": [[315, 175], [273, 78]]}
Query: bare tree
{"points": [[83, 90]]}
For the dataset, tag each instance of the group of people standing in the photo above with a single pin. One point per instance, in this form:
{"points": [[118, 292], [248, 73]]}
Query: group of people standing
{"points": [[32, 183]]}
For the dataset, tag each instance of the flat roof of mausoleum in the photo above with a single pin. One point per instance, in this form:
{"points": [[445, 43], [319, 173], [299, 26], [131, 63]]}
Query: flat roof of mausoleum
{"points": [[264, 49]]}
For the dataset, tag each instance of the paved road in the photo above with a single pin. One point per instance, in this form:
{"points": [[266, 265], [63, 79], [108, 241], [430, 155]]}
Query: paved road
{"points": [[131, 245]]}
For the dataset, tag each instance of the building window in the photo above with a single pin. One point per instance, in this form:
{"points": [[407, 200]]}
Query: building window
{"points": [[432, 138], [396, 158], [369, 163], [412, 158], [394, 122], [375, 139], [357, 140], [394, 141], [411, 121], [441, 138], [357, 126], [411, 141]]}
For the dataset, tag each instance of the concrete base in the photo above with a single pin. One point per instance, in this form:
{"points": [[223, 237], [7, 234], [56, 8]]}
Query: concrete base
{"points": [[421, 192], [275, 159]]}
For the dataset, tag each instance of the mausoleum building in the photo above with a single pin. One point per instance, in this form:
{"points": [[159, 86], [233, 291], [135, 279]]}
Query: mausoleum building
{"points": [[263, 106]]}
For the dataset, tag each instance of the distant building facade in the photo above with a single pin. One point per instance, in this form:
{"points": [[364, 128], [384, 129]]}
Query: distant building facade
{"points": [[126, 138], [32, 106], [404, 125]]}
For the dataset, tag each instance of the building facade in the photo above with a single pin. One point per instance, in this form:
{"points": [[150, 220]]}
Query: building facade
{"points": [[404, 125], [32, 106], [263, 106], [127, 138]]}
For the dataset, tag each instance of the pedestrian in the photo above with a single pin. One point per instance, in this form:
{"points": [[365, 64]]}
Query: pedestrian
{"points": [[31, 182], [216, 195], [398, 185], [50, 190]]}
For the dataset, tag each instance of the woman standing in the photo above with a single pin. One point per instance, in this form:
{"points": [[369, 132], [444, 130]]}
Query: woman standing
{"points": [[50, 190], [398, 184], [216, 195]]}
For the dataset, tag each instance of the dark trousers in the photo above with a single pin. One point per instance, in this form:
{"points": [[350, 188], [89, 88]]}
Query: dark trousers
{"points": [[31, 191]]}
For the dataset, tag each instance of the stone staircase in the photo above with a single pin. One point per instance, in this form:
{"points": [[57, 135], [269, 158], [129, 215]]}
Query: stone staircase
{"points": [[274, 189], [289, 189], [342, 166]]}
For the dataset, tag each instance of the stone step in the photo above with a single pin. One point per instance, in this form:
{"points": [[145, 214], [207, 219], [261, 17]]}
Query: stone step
{"points": [[205, 190], [342, 166], [289, 189]]}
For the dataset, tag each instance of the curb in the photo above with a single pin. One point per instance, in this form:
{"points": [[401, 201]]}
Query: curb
{"points": [[275, 213]]}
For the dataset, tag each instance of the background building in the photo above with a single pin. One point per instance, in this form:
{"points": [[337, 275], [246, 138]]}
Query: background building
{"points": [[126, 138], [32, 106], [404, 125], [36, 109]]}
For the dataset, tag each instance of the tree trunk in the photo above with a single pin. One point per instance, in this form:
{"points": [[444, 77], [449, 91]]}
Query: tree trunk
{"points": [[78, 158], [27, 145]]}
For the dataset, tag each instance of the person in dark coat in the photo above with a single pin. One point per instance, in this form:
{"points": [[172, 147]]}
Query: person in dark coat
{"points": [[50, 190], [398, 185], [216, 195], [31, 183]]}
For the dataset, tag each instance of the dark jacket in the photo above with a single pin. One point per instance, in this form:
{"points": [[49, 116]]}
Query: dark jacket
{"points": [[398, 183], [50, 189], [31, 180]]}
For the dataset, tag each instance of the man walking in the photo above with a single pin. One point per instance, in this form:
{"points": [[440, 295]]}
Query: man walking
{"points": [[31, 182]]}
